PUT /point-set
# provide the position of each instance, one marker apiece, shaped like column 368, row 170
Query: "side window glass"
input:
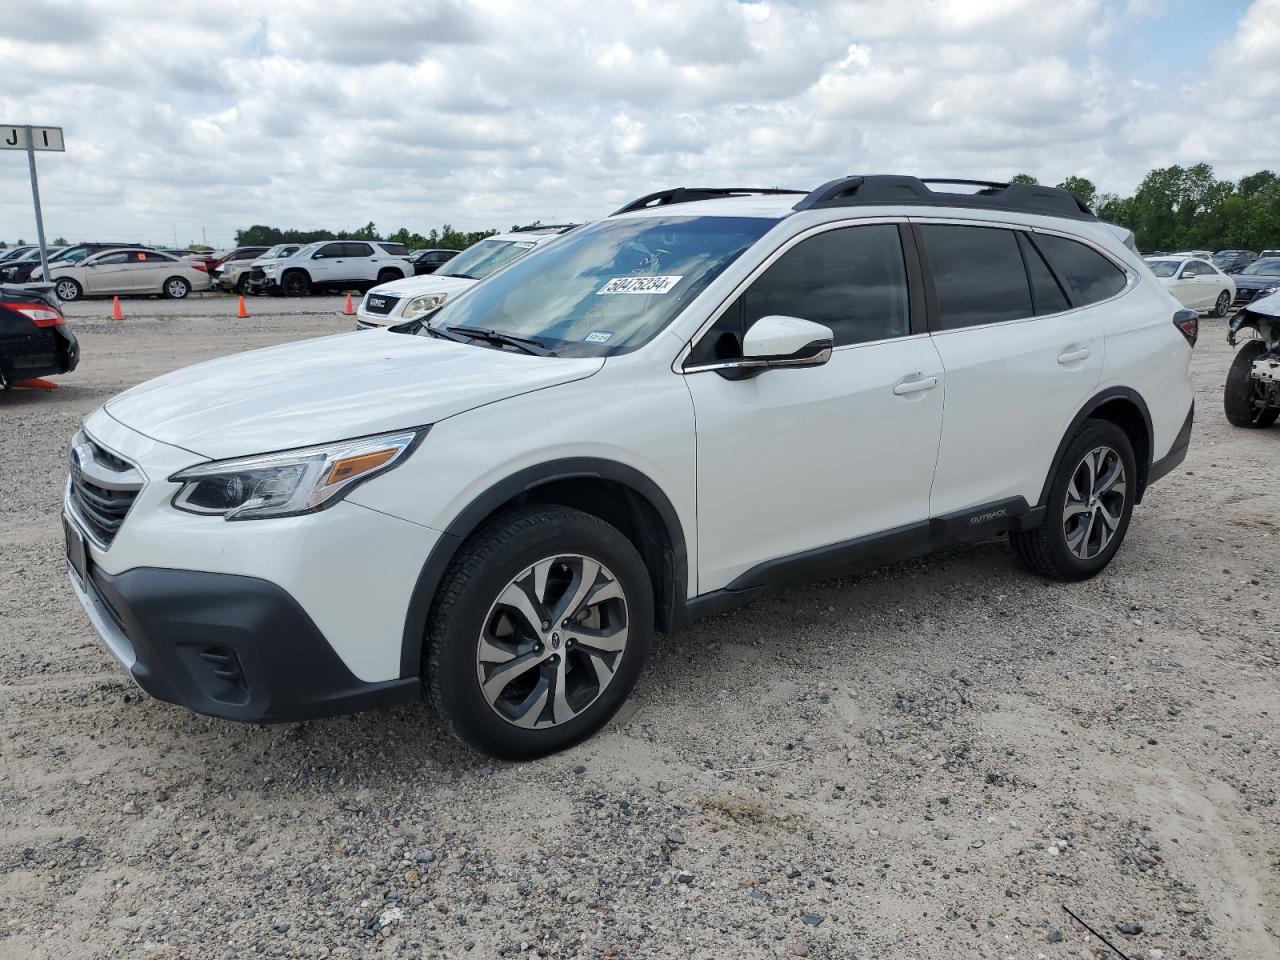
column 1089, row 276
column 978, row 275
column 358, row 250
column 112, row 258
column 851, row 279
column 331, row 251
column 1046, row 295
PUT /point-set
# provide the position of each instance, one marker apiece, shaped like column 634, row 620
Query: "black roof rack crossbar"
column 689, row 194
column 913, row 191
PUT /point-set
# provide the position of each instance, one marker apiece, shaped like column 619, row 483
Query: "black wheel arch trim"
column 1087, row 411
column 674, row 565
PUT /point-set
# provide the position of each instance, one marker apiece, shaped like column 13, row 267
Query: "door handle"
column 1071, row 356
column 917, row 385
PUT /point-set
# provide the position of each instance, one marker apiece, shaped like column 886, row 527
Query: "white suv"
column 402, row 300
column 336, row 265
column 667, row 413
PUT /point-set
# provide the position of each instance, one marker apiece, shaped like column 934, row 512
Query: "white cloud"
column 332, row 113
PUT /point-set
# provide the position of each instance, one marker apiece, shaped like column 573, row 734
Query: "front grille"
column 1245, row 295
column 103, row 487
column 380, row 303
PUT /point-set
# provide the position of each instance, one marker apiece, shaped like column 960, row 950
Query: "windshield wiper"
column 464, row 276
column 509, row 339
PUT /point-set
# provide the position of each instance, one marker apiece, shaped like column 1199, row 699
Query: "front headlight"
column 1270, row 289
column 425, row 304
column 291, row 482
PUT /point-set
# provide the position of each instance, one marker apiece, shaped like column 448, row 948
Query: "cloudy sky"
column 332, row 113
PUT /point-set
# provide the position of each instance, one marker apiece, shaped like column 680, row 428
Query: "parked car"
column 234, row 274
column 1196, row 283
column 1233, row 261
column 1197, row 254
column 1251, row 397
column 130, row 271
column 229, row 272
column 1259, row 279
column 400, row 300
column 429, row 261
column 77, row 252
column 12, row 253
column 1269, row 254
column 707, row 395
column 35, row 340
column 336, row 265
column 18, row 269
column 253, row 279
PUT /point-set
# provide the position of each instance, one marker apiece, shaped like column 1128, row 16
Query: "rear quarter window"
column 1088, row 275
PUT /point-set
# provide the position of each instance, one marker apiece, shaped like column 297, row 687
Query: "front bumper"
column 227, row 646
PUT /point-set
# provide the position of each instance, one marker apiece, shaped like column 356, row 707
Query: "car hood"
column 427, row 283
column 333, row 388
column 1255, row 282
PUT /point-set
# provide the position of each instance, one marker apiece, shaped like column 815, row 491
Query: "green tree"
column 1082, row 188
column 1023, row 178
column 60, row 242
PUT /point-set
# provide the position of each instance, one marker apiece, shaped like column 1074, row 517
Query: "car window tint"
column 332, row 250
column 978, row 275
column 1089, row 275
column 358, row 250
column 1046, row 294
column 108, row 258
column 851, row 279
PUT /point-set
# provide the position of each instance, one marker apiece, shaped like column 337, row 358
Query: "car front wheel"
column 1244, row 400
column 539, row 633
column 68, row 290
column 1223, row 305
column 1090, row 504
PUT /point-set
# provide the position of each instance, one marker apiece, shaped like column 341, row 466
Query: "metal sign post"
column 31, row 139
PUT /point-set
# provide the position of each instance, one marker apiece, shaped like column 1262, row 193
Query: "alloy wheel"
column 177, row 289
column 1224, row 304
column 552, row 641
column 66, row 290
column 1095, row 502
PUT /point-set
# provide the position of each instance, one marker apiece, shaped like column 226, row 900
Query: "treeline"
column 1188, row 208
column 445, row 238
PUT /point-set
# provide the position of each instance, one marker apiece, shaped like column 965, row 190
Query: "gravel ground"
column 928, row 762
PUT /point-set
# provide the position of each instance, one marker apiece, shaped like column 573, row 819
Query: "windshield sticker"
column 640, row 285
column 598, row 336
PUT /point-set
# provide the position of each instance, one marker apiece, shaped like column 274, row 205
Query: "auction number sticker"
column 640, row 285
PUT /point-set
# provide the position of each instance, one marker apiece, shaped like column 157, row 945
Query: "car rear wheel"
column 1223, row 305
column 387, row 274
column 296, row 284
column 176, row 288
column 68, row 290
column 1244, row 400
column 542, row 626
column 1090, row 504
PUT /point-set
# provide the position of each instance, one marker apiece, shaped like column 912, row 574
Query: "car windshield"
column 607, row 288
column 1262, row 268
column 483, row 258
column 75, row 256
column 1164, row 268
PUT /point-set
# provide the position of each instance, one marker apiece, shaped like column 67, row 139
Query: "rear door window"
column 1089, row 276
column 358, row 250
column 1046, row 294
column 978, row 275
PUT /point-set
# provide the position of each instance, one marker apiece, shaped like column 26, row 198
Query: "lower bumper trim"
column 227, row 646
column 1177, row 453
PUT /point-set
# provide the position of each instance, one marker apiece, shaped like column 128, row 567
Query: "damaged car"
column 1252, row 394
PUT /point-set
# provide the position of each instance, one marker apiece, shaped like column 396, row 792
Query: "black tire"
column 388, row 274
column 1223, row 305
column 512, row 542
column 1241, row 390
column 176, row 288
column 1045, row 550
column 296, row 283
column 242, row 284
column 67, row 290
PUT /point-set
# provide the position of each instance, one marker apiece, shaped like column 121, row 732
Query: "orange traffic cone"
column 349, row 308
column 241, row 310
column 39, row 383
column 116, row 312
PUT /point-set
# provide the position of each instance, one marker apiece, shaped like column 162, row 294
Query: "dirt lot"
column 929, row 762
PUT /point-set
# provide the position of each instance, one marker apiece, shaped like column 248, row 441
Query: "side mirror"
column 776, row 341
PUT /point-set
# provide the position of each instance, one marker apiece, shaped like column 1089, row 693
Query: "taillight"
column 200, row 266
column 1188, row 323
column 38, row 314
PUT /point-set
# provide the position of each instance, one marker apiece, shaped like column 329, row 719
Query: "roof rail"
column 545, row 226
column 690, row 194
column 914, row 191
